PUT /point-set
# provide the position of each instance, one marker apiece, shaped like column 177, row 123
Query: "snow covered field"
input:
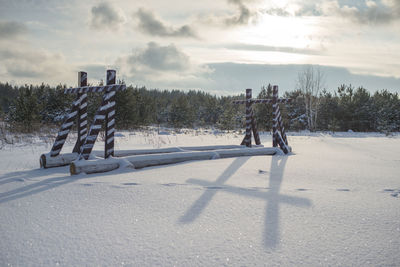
column 334, row 201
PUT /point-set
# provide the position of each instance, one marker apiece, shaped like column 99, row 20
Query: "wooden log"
column 94, row 166
column 46, row 161
column 141, row 161
column 262, row 151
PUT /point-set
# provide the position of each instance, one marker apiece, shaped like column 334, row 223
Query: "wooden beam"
column 141, row 161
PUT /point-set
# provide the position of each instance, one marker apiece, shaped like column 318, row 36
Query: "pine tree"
column 263, row 112
column 181, row 115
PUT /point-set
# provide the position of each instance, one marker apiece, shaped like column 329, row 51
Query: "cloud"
column 243, row 18
column 277, row 11
column 234, row 78
column 244, row 15
column 162, row 58
column 149, row 24
column 26, row 62
column 376, row 12
column 12, row 29
column 162, row 66
column 284, row 49
column 372, row 13
column 104, row 16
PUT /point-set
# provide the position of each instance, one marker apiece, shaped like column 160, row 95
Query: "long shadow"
column 198, row 207
column 20, row 176
column 272, row 227
column 37, row 187
column 272, row 197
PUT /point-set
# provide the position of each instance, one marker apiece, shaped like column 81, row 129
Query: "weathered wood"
column 46, row 161
column 277, row 120
column 247, row 140
column 95, row 89
column 105, row 165
column 274, row 115
column 110, row 117
column 141, row 161
column 82, row 113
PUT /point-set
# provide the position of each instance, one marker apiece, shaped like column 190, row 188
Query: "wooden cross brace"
column 105, row 113
column 278, row 137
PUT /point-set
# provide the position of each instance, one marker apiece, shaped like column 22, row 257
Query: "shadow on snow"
column 272, row 197
column 36, row 187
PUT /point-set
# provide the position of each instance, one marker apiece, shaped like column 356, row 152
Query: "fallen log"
column 141, row 161
column 46, row 161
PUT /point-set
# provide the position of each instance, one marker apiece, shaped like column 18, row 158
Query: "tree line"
column 30, row 107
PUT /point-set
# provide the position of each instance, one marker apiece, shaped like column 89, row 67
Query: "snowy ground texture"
column 334, row 202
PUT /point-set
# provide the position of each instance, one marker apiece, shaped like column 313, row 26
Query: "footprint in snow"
column 343, row 190
column 394, row 192
column 172, row 184
column 213, row 187
column 131, row 184
column 302, row 189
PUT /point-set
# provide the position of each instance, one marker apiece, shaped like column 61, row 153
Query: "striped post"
column 263, row 101
column 285, row 148
column 254, row 128
column 280, row 124
column 95, row 89
column 65, row 128
column 274, row 115
column 95, row 128
column 110, row 116
column 278, row 130
column 82, row 113
column 247, row 140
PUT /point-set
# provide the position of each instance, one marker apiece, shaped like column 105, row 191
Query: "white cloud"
column 165, row 66
column 12, row 29
column 243, row 14
column 25, row 62
column 105, row 16
column 20, row 60
column 149, row 24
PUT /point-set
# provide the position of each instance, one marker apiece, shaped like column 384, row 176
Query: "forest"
column 29, row 108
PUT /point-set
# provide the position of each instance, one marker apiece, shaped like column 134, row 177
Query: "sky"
column 219, row 46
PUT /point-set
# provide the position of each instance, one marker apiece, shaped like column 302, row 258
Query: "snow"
column 334, row 201
column 136, row 161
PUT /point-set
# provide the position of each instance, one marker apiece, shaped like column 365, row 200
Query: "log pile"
column 141, row 161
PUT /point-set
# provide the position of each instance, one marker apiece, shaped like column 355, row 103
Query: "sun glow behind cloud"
column 94, row 35
column 279, row 40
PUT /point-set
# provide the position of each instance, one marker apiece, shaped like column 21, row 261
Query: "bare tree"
column 310, row 81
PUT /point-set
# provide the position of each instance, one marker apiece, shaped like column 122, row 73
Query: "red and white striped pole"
column 106, row 109
column 82, row 113
column 281, row 127
column 254, row 128
column 66, row 126
column 274, row 115
column 110, row 117
column 247, row 140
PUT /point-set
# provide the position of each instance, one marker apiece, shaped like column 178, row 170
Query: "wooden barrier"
column 141, row 161
column 78, row 112
column 79, row 160
column 67, row 158
column 278, row 137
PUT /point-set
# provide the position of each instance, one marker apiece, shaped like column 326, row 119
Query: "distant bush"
column 32, row 108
